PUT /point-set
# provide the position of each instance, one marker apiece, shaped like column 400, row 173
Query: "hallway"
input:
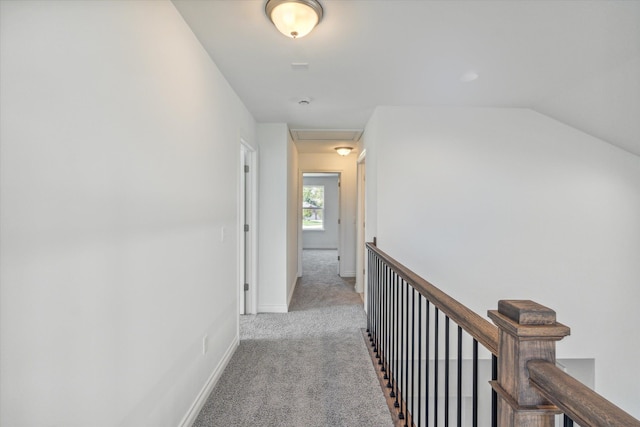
column 308, row 367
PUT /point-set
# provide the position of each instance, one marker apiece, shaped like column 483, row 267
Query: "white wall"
column 493, row 204
column 278, row 218
column 326, row 238
column 346, row 165
column 272, row 217
column 119, row 141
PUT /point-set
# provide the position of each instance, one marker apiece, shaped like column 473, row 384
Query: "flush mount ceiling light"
column 294, row 18
column 343, row 151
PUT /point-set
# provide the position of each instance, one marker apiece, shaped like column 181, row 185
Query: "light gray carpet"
column 309, row 367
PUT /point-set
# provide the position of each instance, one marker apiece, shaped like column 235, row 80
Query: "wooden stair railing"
column 398, row 324
column 578, row 401
column 477, row 326
column 527, row 388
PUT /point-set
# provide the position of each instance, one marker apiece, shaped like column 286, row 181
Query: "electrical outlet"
column 204, row 344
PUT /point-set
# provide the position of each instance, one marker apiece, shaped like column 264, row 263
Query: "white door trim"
column 248, row 157
column 361, row 274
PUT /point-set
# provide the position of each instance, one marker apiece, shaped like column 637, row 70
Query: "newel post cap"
column 528, row 319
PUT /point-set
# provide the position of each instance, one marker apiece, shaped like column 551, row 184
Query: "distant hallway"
column 320, row 284
column 309, row 367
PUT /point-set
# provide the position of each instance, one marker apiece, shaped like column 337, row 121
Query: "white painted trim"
column 361, row 258
column 293, row 288
column 250, row 155
column 253, row 290
column 242, row 258
column 201, row 399
column 299, row 231
column 273, row 308
column 362, row 155
column 348, row 274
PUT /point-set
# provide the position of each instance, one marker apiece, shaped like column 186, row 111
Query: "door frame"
column 338, row 172
column 247, row 214
column 361, row 272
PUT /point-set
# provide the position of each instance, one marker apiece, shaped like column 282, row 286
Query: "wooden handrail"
column 583, row 405
column 528, row 383
column 478, row 327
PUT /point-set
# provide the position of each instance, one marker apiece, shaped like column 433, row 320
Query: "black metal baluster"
column 389, row 326
column 369, row 255
column 378, row 308
column 494, row 395
column 419, row 360
column 406, row 359
column 387, row 332
column 392, row 330
column 446, row 371
column 381, row 268
column 372, row 297
column 402, row 340
column 396, row 404
column 378, row 273
column 413, row 349
column 385, row 321
column 376, row 340
column 427, row 368
column 387, row 309
column 436, row 344
column 459, row 403
column 475, row 383
column 387, row 352
column 383, row 274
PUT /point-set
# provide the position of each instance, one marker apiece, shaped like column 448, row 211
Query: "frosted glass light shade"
column 343, row 151
column 294, row 18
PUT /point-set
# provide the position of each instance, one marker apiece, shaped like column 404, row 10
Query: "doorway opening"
column 320, row 219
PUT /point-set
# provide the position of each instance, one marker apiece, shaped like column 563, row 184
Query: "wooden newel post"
column 528, row 331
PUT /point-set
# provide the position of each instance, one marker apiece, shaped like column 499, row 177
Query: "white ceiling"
column 576, row 61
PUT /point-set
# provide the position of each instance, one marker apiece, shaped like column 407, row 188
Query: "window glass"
column 313, row 207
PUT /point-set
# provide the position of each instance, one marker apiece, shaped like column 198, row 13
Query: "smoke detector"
column 469, row 76
column 304, row 101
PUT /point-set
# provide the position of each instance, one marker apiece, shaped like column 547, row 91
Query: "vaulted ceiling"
column 575, row 61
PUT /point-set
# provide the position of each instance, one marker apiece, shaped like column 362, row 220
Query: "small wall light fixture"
column 343, row 151
column 294, row 18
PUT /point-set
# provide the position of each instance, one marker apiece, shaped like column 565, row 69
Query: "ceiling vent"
column 326, row 135
column 324, row 140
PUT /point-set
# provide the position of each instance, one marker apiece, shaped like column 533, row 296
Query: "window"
column 313, row 207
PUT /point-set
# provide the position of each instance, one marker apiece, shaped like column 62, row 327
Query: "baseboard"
column 273, row 308
column 197, row 405
column 293, row 288
column 348, row 274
